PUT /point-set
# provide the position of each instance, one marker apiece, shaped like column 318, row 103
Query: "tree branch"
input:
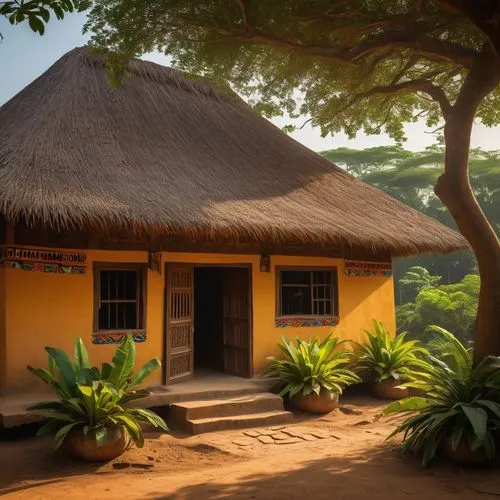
column 484, row 15
column 423, row 45
column 437, row 94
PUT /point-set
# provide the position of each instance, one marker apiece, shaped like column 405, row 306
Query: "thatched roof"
column 169, row 155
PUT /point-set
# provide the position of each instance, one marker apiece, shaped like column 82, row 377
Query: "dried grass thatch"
column 169, row 155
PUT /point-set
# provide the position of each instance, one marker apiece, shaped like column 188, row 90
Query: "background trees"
column 410, row 176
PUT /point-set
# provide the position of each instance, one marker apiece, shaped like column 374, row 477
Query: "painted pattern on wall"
column 300, row 322
column 118, row 337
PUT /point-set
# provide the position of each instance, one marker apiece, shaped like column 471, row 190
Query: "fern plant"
column 461, row 404
column 91, row 400
column 384, row 357
column 309, row 367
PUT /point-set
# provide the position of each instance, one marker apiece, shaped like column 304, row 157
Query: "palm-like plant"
column 93, row 400
column 309, row 367
column 462, row 404
column 384, row 357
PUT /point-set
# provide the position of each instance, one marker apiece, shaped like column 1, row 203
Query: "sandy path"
column 349, row 460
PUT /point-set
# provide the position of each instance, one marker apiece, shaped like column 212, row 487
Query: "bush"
column 452, row 307
column 91, row 400
column 385, row 357
column 462, row 402
column 310, row 367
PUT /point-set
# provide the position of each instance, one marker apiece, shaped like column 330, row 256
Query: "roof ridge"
column 162, row 74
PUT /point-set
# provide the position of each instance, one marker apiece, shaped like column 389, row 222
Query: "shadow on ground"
column 381, row 474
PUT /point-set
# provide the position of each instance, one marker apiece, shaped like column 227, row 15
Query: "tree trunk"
column 454, row 190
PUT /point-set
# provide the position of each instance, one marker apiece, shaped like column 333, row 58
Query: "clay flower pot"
column 463, row 454
column 312, row 403
column 85, row 447
column 388, row 389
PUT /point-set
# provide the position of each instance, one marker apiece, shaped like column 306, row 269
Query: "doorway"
column 208, row 320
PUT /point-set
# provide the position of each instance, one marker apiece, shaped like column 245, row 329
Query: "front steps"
column 252, row 410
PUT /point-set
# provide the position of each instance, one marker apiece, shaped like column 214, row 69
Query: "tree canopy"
column 370, row 65
column 452, row 307
column 410, row 176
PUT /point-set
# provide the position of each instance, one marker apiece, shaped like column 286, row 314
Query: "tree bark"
column 454, row 190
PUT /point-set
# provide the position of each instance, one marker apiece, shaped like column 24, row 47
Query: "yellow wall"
column 52, row 309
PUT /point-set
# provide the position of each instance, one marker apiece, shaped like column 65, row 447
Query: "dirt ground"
column 343, row 455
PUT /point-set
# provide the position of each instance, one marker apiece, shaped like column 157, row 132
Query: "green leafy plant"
column 461, row 403
column 309, row 367
column 93, row 400
column 385, row 357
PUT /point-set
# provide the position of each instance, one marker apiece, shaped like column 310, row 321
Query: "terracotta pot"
column 388, row 389
column 312, row 403
column 463, row 454
column 85, row 447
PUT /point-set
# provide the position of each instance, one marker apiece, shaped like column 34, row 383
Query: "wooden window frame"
column 142, row 269
column 334, row 292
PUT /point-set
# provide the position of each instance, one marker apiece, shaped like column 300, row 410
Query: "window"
column 307, row 292
column 119, row 296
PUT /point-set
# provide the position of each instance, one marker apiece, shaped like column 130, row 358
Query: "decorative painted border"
column 367, row 269
column 42, row 267
column 297, row 322
column 367, row 274
column 117, row 337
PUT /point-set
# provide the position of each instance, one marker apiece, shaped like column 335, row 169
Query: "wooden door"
column 179, row 322
column 236, row 321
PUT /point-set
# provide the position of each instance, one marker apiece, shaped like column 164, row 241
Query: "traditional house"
column 168, row 210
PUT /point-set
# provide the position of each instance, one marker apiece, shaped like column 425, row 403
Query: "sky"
column 25, row 55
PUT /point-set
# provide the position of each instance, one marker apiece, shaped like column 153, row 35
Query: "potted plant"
column 386, row 362
column 91, row 417
column 460, row 413
column 312, row 374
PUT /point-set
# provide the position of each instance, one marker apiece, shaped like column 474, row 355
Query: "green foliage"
column 311, row 366
column 384, row 357
column 410, row 176
column 417, row 278
column 461, row 402
column 453, row 307
column 91, row 400
column 38, row 12
column 350, row 62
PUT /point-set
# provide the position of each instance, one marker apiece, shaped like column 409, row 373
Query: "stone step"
column 226, row 407
column 262, row 419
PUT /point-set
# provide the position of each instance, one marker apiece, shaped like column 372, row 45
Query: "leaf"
column 45, row 14
column 149, row 416
column 81, row 357
column 123, row 362
column 430, row 449
column 478, row 419
column 64, row 365
column 414, row 403
column 36, row 24
column 145, row 371
column 106, row 371
column 63, row 432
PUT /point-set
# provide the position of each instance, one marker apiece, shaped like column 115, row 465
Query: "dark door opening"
column 208, row 322
column 222, row 327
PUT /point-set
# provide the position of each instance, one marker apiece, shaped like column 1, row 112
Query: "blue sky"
column 25, row 55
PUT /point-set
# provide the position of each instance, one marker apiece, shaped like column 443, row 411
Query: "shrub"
column 93, row 400
column 309, row 367
column 462, row 402
column 384, row 357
